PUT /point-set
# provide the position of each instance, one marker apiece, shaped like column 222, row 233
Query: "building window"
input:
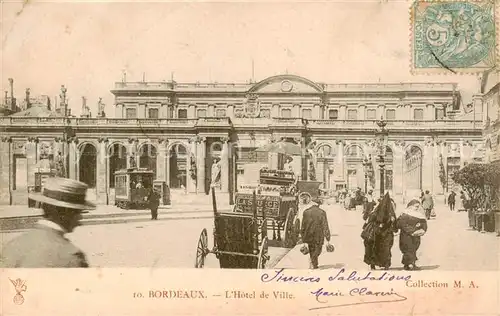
column 390, row 114
column 333, row 114
column 265, row 113
column 307, row 113
column 371, row 114
column 220, row 112
column 182, row 114
column 153, row 113
column 439, row 114
column 287, row 113
column 201, row 113
column 131, row 113
column 418, row 114
column 352, row 114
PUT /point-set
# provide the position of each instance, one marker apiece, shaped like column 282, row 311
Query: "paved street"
column 448, row 245
column 171, row 242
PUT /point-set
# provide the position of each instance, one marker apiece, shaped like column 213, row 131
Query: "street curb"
column 112, row 215
column 18, row 224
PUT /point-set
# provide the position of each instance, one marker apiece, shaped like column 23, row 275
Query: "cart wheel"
column 201, row 249
column 263, row 254
column 290, row 239
column 304, row 198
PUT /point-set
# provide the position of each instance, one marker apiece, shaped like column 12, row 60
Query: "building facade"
column 177, row 129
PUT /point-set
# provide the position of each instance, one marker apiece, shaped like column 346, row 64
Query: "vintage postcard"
column 250, row 158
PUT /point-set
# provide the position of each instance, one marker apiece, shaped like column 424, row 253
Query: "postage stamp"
column 453, row 36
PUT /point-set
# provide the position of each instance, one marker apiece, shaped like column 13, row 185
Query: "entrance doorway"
column 177, row 166
column 147, row 158
column 87, row 165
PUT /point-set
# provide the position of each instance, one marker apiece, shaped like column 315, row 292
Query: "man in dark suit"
column 63, row 202
column 154, row 202
column 315, row 230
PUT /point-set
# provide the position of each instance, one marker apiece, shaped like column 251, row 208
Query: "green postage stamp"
column 453, row 36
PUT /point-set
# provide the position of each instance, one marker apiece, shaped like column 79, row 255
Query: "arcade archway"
column 147, row 158
column 413, row 168
column 87, row 165
column 177, row 166
column 117, row 161
column 354, row 156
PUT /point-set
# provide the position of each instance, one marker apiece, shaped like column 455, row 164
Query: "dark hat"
column 317, row 200
column 63, row 192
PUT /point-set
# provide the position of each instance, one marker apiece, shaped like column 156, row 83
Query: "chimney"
column 28, row 105
column 12, row 100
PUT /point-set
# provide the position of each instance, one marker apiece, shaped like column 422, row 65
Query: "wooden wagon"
column 240, row 241
column 277, row 205
column 132, row 187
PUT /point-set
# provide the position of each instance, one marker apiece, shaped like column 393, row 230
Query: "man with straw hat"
column 63, row 202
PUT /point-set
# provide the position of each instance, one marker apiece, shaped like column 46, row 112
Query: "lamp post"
column 382, row 136
column 366, row 165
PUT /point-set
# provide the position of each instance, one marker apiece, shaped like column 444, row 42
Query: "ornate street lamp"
column 366, row 166
column 382, row 135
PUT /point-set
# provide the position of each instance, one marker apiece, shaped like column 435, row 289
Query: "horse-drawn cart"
column 277, row 204
column 240, row 241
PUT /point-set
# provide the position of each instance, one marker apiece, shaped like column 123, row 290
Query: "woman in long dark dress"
column 378, row 233
column 413, row 225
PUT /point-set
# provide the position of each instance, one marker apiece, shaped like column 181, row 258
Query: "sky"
column 88, row 46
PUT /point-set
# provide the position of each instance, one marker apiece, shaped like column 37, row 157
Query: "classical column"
column 438, row 154
column 191, row 168
column 31, row 155
column 132, row 153
column 321, row 169
column 200, row 156
column 225, row 164
column 428, row 166
column 101, row 171
column 343, row 111
column 162, row 161
column 272, row 157
column 73, row 158
column 339, row 169
column 398, row 167
column 477, row 101
column 300, row 165
column 5, row 171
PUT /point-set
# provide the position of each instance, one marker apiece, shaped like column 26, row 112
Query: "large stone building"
column 176, row 129
column 491, row 118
